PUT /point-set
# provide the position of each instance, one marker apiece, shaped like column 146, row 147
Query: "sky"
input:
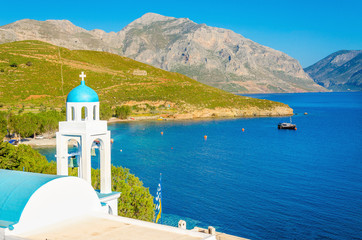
column 305, row 30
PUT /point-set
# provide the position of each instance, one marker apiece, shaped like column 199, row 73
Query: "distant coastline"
column 49, row 138
column 215, row 113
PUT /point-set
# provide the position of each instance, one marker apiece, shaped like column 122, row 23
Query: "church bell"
column 73, row 162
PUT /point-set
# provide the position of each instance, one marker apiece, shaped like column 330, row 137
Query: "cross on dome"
column 82, row 76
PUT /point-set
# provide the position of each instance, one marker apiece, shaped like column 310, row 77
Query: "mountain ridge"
column 214, row 56
column 339, row 71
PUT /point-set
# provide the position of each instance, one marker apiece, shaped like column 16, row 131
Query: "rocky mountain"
column 339, row 71
column 214, row 56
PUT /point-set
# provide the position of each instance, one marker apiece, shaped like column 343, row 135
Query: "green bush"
column 3, row 125
column 14, row 65
column 105, row 111
column 30, row 124
column 23, row 157
column 123, row 112
column 136, row 200
column 21, row 110
column 25, row 125
column 135, row 108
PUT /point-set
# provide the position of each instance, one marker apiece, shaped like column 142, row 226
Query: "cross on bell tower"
column 82, row 76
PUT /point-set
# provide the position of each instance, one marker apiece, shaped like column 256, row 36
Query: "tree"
column 136, row 200
column 21, row 110
column 3, row 125
column 105, row 111
column 25, row 125
column 23, row 157
column 123, row 112
column 30, row 124
column 48, row 121
column 43, row 108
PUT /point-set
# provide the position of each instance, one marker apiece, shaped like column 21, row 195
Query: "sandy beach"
column 35, row 142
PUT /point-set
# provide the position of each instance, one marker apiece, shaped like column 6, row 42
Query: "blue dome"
column 82, row 93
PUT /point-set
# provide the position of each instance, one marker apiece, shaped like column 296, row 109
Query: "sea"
column 260, row 183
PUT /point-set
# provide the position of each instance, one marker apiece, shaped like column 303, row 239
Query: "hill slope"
column 34, row 73
column 339, row 71
column 215, row 56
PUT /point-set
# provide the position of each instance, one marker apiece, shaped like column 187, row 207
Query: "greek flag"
column 158, row 208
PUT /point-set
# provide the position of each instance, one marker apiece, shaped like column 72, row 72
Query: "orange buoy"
column 243, row 129
column 295, row 128
column 161, row 133
column 171, row 147
column 112, row 140
column 205, row 137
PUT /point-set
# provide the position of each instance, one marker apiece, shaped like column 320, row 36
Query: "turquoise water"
column 262, row 183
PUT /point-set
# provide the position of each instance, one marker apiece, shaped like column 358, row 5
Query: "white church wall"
column 113, row 205
column 56, row 201
column 83, row 127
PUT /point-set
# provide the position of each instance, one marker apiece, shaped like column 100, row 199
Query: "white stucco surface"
column 57, row 201
column 99, row 227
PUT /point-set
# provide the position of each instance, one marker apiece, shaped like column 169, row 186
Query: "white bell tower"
column 83, row 125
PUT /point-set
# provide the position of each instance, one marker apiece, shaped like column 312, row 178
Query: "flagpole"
column 161, row 198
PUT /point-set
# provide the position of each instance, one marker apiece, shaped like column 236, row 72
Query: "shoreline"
column 50, row 140
column 217, row 113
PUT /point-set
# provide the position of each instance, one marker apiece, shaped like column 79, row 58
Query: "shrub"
column 42, row 108
column 105, row 111
column 29, row 64
column 2, row 70
column 123, row 112
column 3, row 125
column 21, row 110
column 136, row 200
column 135, row 108
column 24, row 157
column 14, row 65
column 30, row 124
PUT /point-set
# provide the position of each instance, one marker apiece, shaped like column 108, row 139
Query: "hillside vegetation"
column 34, row 73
